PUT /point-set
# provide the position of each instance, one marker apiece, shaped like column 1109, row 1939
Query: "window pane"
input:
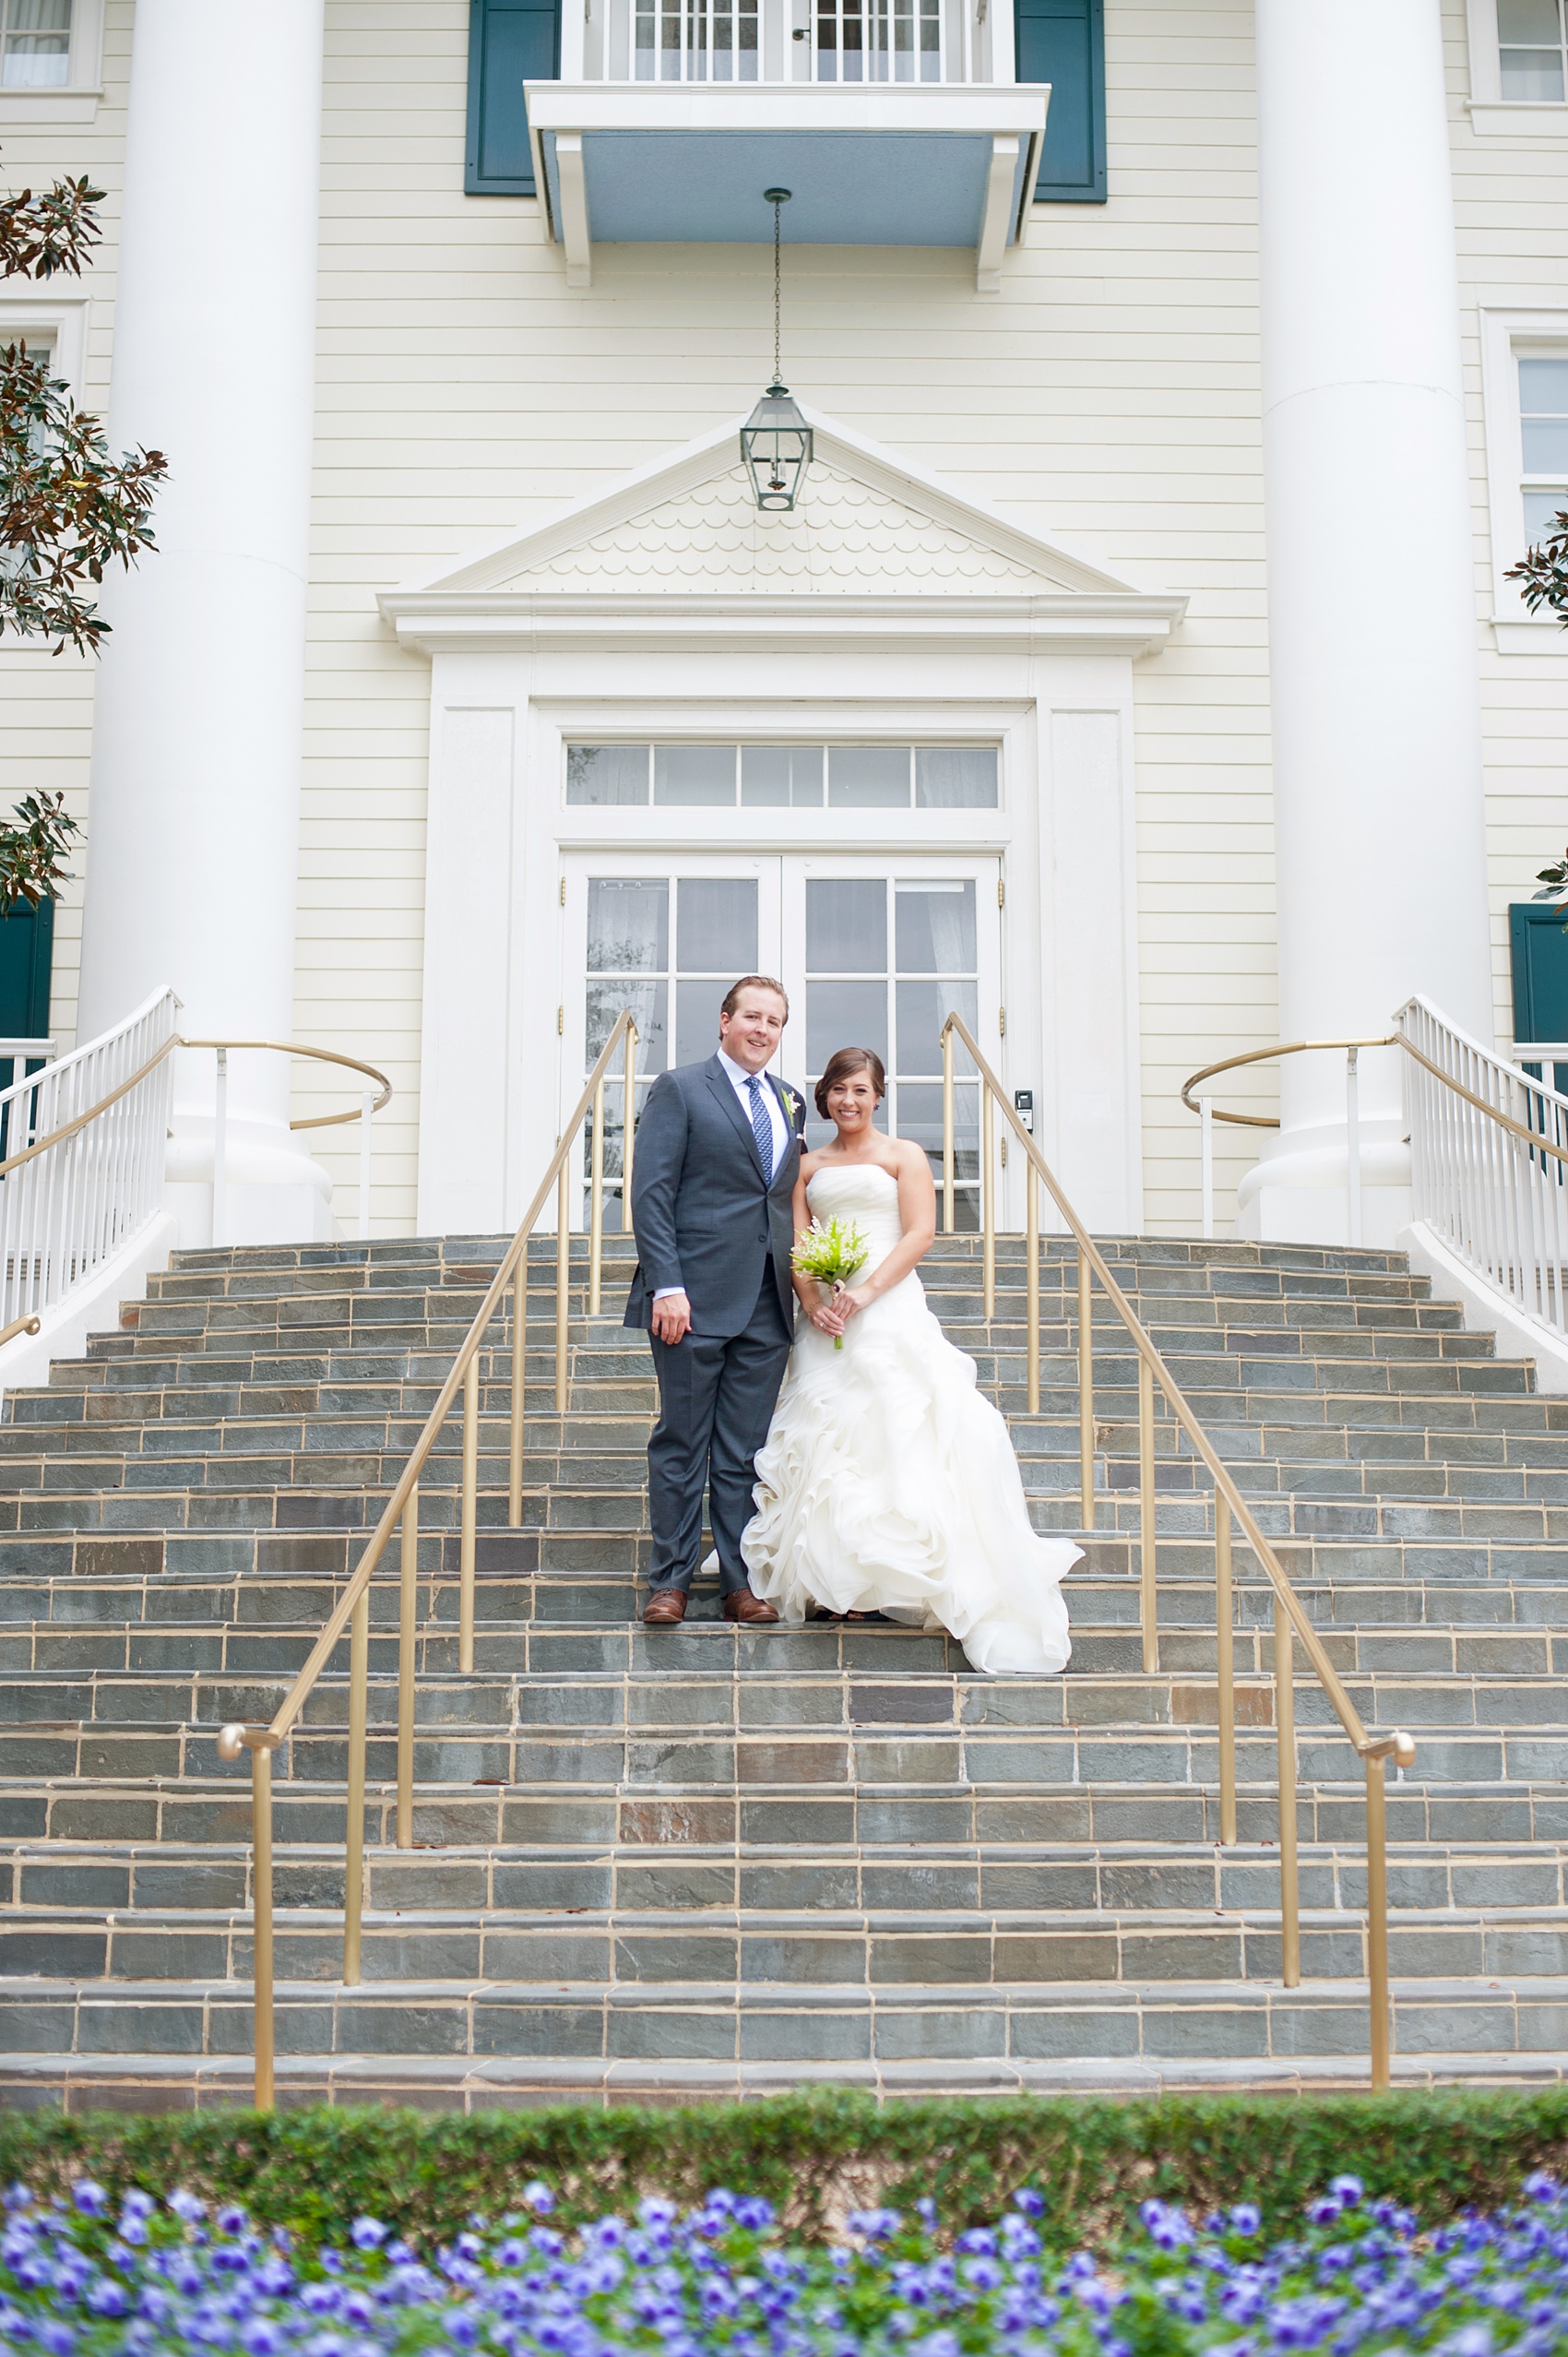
column 694, row 775
column 628, row 926
column 607, row 773
column 867, row 777
column 38, row 44
column 696, row 1017
column 648, row 1001
column 845, row 1014
column 1532, row 73
column 1527, row 20
column 1543, row 387
column 846, row 926
column 1541, row 514
column 1546, row 446
column 716, row 928
column 781, row 777
column 922, row 1009
column 935, row 928
column 954, row 777
column 920, row 1117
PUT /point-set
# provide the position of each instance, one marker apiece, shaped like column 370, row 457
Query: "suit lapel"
column 718, row 1081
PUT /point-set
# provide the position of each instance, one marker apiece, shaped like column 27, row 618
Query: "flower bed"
column 816, row 2156
column 84, row 2277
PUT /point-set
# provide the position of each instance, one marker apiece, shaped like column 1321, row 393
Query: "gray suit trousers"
column 716, row 1401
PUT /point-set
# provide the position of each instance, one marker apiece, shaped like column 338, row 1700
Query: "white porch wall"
column 1110, row 393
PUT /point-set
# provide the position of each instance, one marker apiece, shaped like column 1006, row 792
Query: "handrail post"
column 948, row 1131
column 1353, row 1144
column 1031, row 1279
column 471, row 1515
column 1149, row 1590
column 353, row 1838
column 563, row 1281
column 519, row 1393
column 1086, row 1390
column 988, row 1193
column 407, row 1600
column 1377, row 1916
column 220, row 1150
column 261, row 1918
column 596, row 1196
column 628, row 1127
column 367, row 1110
column 1205, row 1131
column 1285, row 1728
column 1225, row 1650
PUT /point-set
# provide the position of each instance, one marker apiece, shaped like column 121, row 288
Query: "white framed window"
column 1518, row 67
column 47, row 321
column 784, row 777
column 35, row 46
column 49, row 54
column 1524, row 390
column 1530, row 55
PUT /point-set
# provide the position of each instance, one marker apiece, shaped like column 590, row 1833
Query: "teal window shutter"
column 27, row 946
column 1062, row 42
column 510, row 42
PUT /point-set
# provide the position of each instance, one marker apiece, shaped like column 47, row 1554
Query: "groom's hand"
column 672, row 1318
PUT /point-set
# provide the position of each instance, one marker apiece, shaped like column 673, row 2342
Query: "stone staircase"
column 715, row 1860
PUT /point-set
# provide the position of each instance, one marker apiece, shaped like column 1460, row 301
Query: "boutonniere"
column 791, row 1103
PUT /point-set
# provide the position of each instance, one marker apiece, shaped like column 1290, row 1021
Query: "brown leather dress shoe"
column 743, row 1606
column 665, row 1607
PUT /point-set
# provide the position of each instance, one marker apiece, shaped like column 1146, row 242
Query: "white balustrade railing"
column 1488, row 1148
column 82, row 1169
column 764, row 42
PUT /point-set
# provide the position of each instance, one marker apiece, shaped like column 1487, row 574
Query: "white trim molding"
column 77, row 100
column 1493, row 116
column 1505, row 333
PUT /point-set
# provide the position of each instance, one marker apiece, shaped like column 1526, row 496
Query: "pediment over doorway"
column 875, row 541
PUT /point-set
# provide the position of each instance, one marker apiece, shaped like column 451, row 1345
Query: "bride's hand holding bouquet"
column 831, row 1251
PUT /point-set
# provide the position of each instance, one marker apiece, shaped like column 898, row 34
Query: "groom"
column 718, row 1154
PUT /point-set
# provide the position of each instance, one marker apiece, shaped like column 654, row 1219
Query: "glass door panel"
column 882, row 953
column 665, row 938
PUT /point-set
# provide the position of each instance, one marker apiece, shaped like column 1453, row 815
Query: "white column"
column 192, row 819
column 1377, row 775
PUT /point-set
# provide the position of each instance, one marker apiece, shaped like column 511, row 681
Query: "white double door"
column 874, row 950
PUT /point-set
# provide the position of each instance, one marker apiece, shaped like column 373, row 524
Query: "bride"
column 887, row 1484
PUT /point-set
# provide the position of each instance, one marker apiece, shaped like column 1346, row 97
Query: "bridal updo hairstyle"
column 840, row 1066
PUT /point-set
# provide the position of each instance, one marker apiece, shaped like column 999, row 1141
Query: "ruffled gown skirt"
column 889, row 1484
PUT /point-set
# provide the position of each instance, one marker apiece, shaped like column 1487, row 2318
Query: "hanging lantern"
column 776, row 440
column 776, row 443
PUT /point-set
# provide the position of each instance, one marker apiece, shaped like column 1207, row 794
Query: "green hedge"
column 818, row 2155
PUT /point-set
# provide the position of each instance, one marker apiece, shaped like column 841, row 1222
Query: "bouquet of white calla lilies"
column 832, row 1251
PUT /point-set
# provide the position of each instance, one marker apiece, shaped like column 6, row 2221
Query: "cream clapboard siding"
column 1110, row 394
column 1511, row 201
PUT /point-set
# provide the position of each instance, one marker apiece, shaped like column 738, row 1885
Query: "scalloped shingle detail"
column 843, row 536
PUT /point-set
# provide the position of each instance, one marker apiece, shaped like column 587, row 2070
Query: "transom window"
column 1543, row 433
column 36, row 53
column 784, row 777
column 1531, row 49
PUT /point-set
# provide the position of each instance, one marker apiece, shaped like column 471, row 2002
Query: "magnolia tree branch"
column 31, row 851
column 66, row 509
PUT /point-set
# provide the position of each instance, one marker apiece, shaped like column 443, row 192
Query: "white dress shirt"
column 740, row 1080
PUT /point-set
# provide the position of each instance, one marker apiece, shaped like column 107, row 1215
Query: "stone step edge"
column 465, row 2084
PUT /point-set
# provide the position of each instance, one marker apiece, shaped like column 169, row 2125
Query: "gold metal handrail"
column 352, row 1609
column 1290, row 1620
column 319, row 1055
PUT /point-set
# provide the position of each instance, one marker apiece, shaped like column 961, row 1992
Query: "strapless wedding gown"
column 889, row 1484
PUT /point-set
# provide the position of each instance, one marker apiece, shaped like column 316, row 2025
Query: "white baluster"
column 221, row 1150
column 367, row 1107
column 1353, row 1144
column 1206, row 1118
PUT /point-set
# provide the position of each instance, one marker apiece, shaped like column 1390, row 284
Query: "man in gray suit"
column 718, row 1154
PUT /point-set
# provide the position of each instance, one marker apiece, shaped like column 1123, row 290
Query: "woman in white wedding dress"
column 887, row 1484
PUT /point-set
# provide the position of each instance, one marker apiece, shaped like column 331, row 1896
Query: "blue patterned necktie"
column 762, row 1128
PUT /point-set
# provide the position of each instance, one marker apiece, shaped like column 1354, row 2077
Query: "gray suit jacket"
column 703, row 1216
